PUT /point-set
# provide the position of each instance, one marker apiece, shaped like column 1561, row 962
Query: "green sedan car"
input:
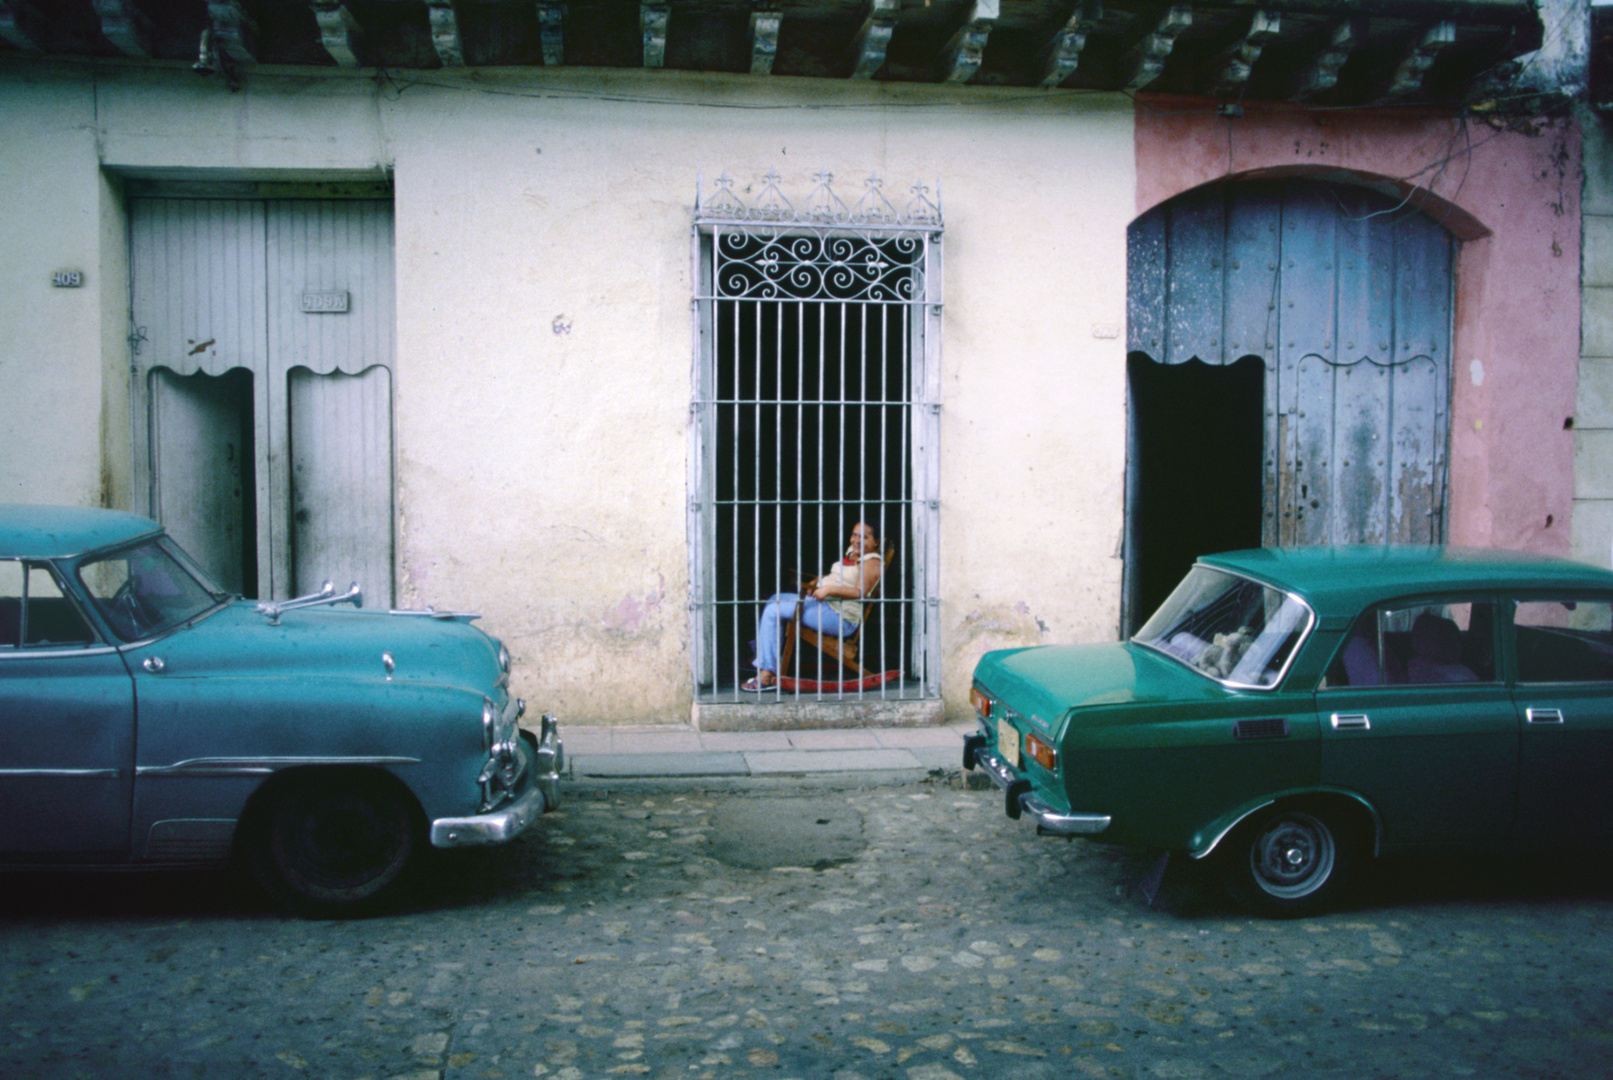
column 149, row 719
column 1288, row 714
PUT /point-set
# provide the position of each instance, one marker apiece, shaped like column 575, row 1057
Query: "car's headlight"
column 501, row 728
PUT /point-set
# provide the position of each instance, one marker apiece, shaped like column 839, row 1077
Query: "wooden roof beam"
column 1146, row 60
column 339, row 32
column 1064, row 51
column 653, row 16
column 868, row 50
column 235, row 33
column 1322, row 74
column 552, row 34
column 445, row 33
column 967, row 47
column 1408, row 78
column 125, row 26
column 22, row 25
column 1231, row 70
column 764, row 27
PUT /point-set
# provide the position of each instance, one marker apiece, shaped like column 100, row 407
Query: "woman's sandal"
column 756, row 686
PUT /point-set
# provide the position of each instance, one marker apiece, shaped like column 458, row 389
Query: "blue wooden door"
column 1345, row 295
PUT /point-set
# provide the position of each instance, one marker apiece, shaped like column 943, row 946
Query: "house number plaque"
column 324, row 302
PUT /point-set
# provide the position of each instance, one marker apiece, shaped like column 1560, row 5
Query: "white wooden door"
column 298, row 295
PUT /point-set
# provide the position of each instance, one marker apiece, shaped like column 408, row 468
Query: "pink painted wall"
column 1512, row 198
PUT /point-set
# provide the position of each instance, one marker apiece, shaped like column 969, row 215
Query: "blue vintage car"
column 147, row 718
column 1287, row 714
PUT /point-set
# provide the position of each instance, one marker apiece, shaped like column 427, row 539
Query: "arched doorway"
column 1345, row 297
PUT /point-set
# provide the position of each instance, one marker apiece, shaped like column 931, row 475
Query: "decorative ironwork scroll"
column 816, row 267
column 822, row 208
column 869, row 251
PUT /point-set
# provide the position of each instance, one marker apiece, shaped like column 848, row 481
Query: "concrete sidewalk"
column 611, row 756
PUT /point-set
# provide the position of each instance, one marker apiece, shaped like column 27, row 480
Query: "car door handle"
column 1351, row 722
column 153, row 664
column 1544, row 716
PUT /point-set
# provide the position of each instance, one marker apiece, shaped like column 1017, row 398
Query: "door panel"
column 341, row 482
column 1439, row 762
column 67, row 738
column 1417, row 721
column 1565, row 711
column 66, row 726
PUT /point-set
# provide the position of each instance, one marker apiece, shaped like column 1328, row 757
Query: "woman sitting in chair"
column 830, row 604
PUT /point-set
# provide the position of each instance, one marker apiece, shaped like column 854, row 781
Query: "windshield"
column 146, row 589
column 1236, row 631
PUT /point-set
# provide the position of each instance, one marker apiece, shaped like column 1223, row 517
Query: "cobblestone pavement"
column 909, row 932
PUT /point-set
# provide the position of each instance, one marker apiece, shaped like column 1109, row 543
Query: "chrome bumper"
column 1020, row 799
column 546, row 757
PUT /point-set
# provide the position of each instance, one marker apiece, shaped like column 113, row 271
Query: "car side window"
column 1564, row 641
column 1418, row 644
column 34, row 612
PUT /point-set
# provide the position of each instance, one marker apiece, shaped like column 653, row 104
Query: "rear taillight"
column 1041, row 751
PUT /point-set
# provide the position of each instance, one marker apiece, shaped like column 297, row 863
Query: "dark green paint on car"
column 1290, row 713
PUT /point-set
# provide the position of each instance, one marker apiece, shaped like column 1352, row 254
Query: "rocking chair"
column 843, row 650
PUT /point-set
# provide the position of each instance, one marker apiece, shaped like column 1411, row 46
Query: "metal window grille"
column 816, row 407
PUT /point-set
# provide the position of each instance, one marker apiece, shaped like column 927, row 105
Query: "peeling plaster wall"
column 545, row 334
column 1512, row 198
column 1593, row 415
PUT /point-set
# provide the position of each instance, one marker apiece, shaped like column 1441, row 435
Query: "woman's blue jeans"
column 815, row 613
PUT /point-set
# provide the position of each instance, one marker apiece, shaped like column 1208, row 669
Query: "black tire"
column 1288, row 862
column 335, row 844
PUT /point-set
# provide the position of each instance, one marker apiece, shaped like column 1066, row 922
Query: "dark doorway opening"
column 1195, row 474
column 204, row 463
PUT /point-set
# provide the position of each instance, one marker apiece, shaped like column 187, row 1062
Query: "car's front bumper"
column 544, row 758
column 1020, row 797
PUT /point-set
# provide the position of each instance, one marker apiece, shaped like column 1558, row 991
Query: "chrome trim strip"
column 432, row 613
column 35, row 652
column 1225, row 831
column 110, row 774
column 1199, row 853
column 258, row 766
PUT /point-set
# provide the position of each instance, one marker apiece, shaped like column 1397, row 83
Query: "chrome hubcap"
column 1293, row 857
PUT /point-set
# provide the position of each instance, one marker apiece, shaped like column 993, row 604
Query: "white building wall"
column 544, row 338
column 53, row 369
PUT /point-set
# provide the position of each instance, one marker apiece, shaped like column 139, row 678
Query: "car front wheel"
column 1288, row 862
column 335, row 844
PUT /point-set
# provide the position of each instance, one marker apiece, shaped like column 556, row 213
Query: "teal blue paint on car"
column 1287, row 714
column 149, row 719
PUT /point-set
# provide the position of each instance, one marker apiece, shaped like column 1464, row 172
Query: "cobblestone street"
column 907, row 931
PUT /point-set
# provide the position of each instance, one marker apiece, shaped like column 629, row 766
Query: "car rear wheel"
column 1288, row 862
column 335, row 844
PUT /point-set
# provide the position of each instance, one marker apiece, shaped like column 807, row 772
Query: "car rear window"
column 1234, row 629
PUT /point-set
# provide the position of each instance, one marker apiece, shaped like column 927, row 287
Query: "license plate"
column 1008, row 743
